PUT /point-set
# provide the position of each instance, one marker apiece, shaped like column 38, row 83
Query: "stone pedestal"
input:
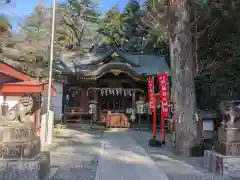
column 228, row 142
column 25, row 169
column 225, row 159
column 20, row 154
column 226, row 166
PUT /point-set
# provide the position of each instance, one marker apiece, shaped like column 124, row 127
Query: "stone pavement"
column 75, row 154
column 175, row 167
column 123, row 159
column 124, row 156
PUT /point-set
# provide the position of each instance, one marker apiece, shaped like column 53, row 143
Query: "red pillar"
column 162, row 125
column 154, row 116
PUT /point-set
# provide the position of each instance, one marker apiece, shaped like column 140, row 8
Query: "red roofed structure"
column 12, row 80
column 14, row 84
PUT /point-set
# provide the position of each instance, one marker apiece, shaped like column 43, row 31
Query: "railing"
column 74, row 114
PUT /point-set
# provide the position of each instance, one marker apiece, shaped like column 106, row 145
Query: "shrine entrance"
column 114, row 95
column 114, row 91
column 114, row 103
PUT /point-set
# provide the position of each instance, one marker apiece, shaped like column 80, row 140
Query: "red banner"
column 163, row 88
column 151, row 92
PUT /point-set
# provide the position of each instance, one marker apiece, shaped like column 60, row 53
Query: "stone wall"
column 226, row 166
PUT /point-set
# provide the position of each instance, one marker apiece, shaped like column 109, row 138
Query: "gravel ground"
column 75, row 153
column 175, row 167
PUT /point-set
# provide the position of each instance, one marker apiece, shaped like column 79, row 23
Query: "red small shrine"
column 15, row 84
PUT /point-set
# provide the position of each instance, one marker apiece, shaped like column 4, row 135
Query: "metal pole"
column 50, row 67
column 139, row 121
column 92, row 121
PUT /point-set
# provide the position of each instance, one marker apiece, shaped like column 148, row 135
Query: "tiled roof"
column 87, row 63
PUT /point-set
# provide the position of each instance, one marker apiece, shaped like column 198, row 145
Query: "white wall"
column 56, row 101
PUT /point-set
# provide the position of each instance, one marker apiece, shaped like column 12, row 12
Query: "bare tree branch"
column 205, row 68
column 212, row 25
column 73, row 29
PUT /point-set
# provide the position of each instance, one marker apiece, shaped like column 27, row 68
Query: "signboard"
column 208, row 125
column 92, row 108
column 163, row 88
column 151, row 92
column 140, row 108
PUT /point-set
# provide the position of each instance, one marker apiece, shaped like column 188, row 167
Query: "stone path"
column 75, row 154
column 175, row 167
column 124, row 156
column 123, row 159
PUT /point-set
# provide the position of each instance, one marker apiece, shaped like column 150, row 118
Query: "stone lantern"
column 92, row 109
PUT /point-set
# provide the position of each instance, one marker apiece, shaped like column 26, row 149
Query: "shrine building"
column 113, row 79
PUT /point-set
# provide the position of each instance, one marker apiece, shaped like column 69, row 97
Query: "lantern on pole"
column 140, row 110
column 92, row 109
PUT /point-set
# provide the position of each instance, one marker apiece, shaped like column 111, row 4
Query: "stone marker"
column 20, row 156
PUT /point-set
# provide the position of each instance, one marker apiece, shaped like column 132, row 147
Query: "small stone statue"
column 230, row 113
column 19, row 113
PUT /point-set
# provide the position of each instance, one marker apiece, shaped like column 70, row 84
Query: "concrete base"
column 226, row 166
column 34, row 169
column 155, row 143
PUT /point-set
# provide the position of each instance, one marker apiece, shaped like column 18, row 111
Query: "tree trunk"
column 182, row 65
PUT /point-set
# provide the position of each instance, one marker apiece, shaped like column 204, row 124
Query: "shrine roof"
column 13, row 72
column 31, row 82
column 16, row 81
column 26, row 87
column 88, row 63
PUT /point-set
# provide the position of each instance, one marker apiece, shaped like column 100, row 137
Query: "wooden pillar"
column 133, row 102
column 37, row 112
column 84, row 99
column 114, row 103
column 95, row 97
column 133, row 99
column 38, row 118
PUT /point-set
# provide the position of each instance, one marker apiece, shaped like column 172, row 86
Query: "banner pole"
column 152, row 96
column 154, row 117
column 162, row 125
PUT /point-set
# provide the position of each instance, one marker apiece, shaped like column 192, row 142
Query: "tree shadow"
column 75, row 151
column 175, row 166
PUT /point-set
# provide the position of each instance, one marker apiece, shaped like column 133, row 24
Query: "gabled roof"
column 114, row 52
column 13, row 72
column 86, row 63
column 24, row 83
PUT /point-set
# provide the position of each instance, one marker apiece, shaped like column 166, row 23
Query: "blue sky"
column 19, row 9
